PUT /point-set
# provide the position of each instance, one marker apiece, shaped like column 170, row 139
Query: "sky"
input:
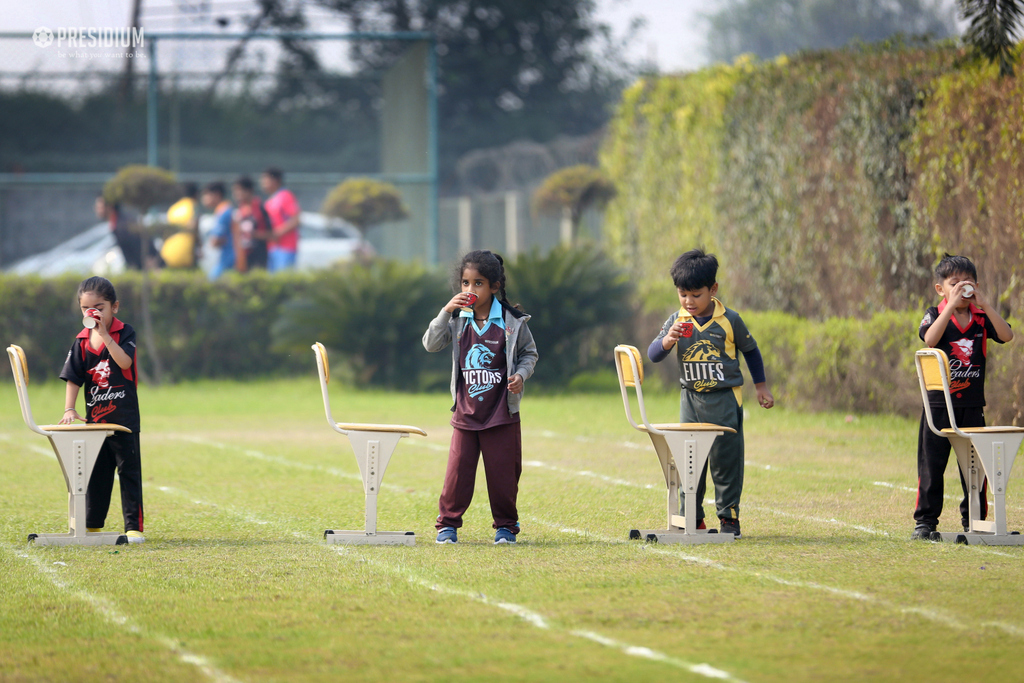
column 673, row 32
column 672, row 35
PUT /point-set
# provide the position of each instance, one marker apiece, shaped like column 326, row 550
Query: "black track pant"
column 119, row 451
column 932, row 456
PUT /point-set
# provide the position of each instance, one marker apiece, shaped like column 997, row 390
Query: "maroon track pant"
column 502, row 449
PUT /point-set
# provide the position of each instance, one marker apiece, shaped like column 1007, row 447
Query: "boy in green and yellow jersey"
column 707, row 336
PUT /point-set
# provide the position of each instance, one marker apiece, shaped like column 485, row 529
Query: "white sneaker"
column 135, row 537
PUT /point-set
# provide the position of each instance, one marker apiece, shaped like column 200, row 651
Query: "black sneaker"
column 730, row 526
column 922, row 532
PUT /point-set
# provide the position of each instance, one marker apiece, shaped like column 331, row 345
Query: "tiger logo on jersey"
column 701, row 351
column 476, row 372
column 702, row 366
column 479, row 357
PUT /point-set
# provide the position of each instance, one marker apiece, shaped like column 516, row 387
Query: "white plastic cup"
column 967, row 291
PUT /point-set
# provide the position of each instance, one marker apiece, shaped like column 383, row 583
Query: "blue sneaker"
column 447, row 534
column 504, row 536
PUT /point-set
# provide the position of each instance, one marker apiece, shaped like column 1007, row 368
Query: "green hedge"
column 859, row 364
column 371, row 317
column 828, row 183
column 856, row 365
column 201, row 329
column 866, row 365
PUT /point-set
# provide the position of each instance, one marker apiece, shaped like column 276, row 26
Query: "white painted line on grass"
column 945, row 496
column 832, row 521
column 277, row 460
column 936, row 616
column 420, row 443
column 586, row 473
column 623, row 482
column 1008, row 628
column 705, row 670
column 529, row 616
column 112, row 615
column 542, row 622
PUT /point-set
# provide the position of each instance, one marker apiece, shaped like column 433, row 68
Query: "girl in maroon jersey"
column 493, row 354
column 102, row 361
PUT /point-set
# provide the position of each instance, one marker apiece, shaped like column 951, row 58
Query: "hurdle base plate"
column 974, row 538
column 363, row 538
column 680, row 536
column 90, row 538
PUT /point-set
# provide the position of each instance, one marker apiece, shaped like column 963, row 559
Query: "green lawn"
column 235, row 582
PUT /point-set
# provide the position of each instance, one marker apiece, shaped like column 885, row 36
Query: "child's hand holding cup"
column 91, row 319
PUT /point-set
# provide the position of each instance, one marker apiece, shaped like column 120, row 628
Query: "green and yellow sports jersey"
column 708, row 358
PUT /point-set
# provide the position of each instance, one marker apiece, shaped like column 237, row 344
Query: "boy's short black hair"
column 245, row 182
column 695, row 269
column 216, row 187
column 275, row 173
column 190, row 190
column 955, row 265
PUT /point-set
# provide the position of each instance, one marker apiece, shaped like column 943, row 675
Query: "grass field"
column 235, row 582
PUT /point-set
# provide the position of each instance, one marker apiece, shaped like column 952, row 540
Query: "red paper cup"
column 91, row 318
column 472, row 300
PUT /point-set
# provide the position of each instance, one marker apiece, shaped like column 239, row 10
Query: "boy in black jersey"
column 961, row 326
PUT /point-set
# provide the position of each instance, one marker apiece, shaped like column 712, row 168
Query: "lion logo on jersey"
column 703, row 350
column 963, row 349
column 101, row 374
column 479, row 357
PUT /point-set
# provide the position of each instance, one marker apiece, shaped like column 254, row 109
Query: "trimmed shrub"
column 365, row 202
column 373, row 316
column 575, row 298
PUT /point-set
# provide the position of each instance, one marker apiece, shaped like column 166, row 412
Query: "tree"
column 768, row 28
column 142, row 188
column 994, row 28
column 508, row 69
column 572, row 191
column 365, row 202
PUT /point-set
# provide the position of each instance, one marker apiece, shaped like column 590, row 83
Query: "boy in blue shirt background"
column 215, row 199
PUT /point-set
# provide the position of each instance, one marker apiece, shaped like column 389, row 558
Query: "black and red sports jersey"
column 966, row 349
column 111, row 393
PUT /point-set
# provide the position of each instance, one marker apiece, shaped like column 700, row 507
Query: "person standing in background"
column 283, row 209
column 215, row 199
column 130, row 243
column 251, row 228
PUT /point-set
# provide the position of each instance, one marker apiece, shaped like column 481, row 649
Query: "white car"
column 323, row 241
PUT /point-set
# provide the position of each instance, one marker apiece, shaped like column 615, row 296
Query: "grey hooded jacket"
column 520, row 349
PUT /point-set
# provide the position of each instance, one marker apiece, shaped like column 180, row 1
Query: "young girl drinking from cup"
column 102, row 359
column 493, row 354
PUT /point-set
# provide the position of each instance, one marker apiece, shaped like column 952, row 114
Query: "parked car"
column 322, row 242
column 91, row 252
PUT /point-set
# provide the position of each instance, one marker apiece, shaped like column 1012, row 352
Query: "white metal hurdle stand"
column 682, row 449
column 76, row 446
column 373, row 445
column 980, row 452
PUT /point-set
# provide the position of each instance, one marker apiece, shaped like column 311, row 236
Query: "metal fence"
column 379, row 123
